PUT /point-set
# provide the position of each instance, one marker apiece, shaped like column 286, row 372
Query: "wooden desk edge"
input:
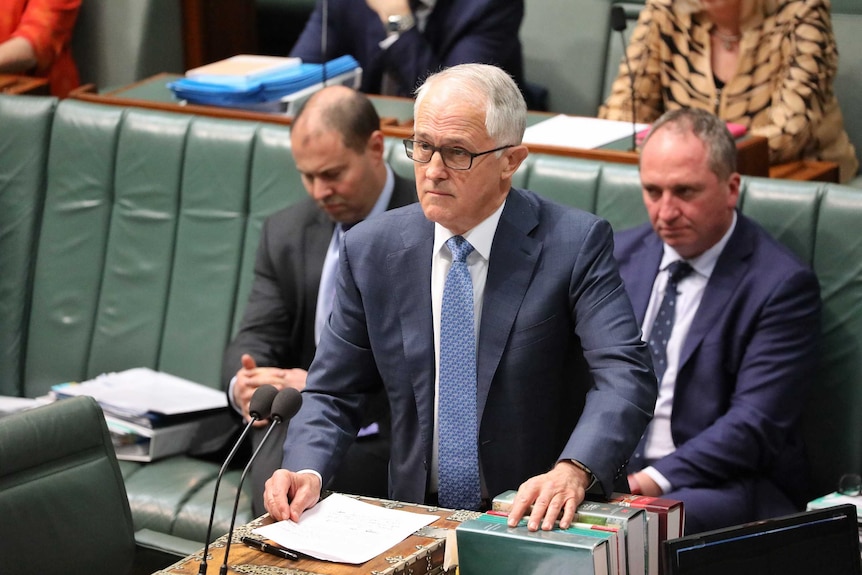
column 410, row 552
column 23, row 85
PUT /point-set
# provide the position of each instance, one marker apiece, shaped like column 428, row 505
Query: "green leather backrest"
column 148, row 238
column 24, row 130
column 62, row 497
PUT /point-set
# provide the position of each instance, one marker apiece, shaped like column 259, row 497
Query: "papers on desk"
column 151, row 414
column 11, row 404
column 345, row 530
column 144, row 395
column 578, row 132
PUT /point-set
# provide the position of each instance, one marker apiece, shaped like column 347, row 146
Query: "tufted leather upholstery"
column 144, row 251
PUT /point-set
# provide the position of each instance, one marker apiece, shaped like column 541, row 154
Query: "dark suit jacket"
column 746, row 364
column 277, row 328
column 458, row 31
column 557, row 332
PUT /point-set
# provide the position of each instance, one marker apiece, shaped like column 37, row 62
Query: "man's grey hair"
column 505, row 108
column 709, row 129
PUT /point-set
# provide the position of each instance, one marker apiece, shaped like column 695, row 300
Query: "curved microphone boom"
column 285, row 405
column 259, row 408
column 618, row 23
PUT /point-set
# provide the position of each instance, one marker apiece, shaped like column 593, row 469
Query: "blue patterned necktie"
column 457, row 420
column 663, row 324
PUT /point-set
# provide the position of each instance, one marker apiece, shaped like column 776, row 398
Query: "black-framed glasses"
column 453, row 158
column 850, row 484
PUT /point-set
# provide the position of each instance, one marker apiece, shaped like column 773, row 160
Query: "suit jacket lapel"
column 409, row 272
column 515, row 254
column 645, row 263
column 729, row 270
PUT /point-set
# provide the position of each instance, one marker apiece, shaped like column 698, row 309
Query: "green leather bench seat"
column 139, row 230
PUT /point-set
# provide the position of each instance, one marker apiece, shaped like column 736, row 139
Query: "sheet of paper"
column 578, row 132
column 11, row 404
column 345, row 530
column 142, row 390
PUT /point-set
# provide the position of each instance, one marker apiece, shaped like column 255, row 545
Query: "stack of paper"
column 152, row 414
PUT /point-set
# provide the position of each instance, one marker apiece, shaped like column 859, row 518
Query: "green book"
column 488, row 545
column 632, row 537
column 633, row 526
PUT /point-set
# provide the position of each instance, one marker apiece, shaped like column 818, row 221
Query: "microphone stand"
column 618, row 22
column 275, row 421
column 286, row 404
column 259, row 407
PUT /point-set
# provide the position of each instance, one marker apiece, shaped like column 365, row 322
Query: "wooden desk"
column 397, row 118
column 421, row 553
column 806, row 170
column 13, row 84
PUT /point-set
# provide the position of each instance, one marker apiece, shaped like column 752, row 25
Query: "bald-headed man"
column 338, row 149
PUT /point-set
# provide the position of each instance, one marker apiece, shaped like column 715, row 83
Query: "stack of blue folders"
column 269, row 88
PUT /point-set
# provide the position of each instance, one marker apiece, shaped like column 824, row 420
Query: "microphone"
column 285, row 405
column 618, row 23
column 259, row 408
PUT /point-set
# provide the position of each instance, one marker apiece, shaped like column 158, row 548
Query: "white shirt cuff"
column 660, row 479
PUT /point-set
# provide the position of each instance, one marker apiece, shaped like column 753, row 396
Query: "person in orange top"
column 35, row 39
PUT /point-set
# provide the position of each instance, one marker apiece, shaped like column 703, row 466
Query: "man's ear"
column 377, row 144
column 515, row 156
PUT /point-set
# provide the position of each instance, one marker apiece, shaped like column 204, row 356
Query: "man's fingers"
column 248, row 362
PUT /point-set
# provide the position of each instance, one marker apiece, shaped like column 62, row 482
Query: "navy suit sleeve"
column 755, row 374
column 620, row 402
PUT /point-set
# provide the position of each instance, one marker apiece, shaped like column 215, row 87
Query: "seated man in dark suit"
column 338, row 149
column 495, row 320
column 399, row 42
column 732, row 319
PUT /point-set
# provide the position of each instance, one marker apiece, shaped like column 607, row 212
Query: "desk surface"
column 419, row 554
column 397, row 117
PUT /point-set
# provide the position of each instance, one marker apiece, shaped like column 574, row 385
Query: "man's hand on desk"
column 250, row 377
column 287, row 494
column 558, row 491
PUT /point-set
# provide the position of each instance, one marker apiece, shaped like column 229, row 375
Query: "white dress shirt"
column 659, row 441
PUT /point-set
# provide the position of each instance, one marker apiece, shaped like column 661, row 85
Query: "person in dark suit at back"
column 338, row 149
column 736, row 355
column 495, row 320
column 399, row 42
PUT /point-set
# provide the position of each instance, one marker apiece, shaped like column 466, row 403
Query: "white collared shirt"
column 659, row 441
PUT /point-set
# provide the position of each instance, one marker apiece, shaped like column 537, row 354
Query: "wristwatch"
column 399, row 23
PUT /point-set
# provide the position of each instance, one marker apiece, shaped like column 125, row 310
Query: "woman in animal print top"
column 766, row 64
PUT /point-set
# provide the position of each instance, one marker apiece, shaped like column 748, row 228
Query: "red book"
column 667, row 514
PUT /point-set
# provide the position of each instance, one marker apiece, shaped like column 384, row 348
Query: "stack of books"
column 622, row 536
column 151, row 414
column 263, row 83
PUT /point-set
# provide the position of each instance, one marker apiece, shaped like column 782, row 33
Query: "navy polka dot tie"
column 459, row 486
column 663, row 324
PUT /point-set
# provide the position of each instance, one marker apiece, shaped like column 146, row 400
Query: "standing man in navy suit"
column 338, row 149
column 725, row 438
column 563, row 386
column 400, row 42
